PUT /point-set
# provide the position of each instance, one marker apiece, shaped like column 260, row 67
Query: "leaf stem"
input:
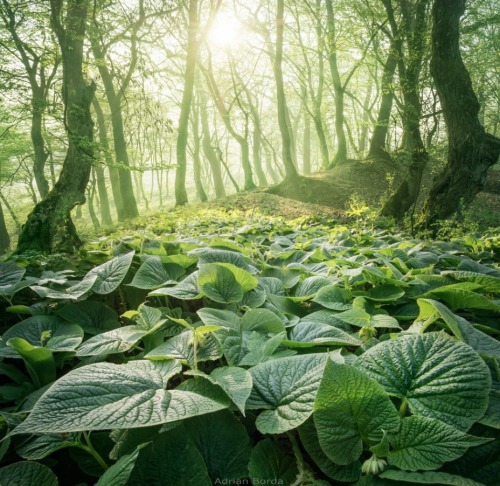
column 403, row 407
column 90, row 449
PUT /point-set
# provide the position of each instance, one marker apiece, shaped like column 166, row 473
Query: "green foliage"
column 276, row 352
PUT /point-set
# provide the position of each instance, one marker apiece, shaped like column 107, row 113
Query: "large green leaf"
column 39, row 361
column 271, row 462
column 308, row 334
column 430, row 310
column 49, row 331
column 310, row 441
column 286, row 388
column 261, row 320
column 424, row 443
column 26, row 473
column 172, row 459
column 351, row 409
column 10, row 276
column 153, row 274
column 437, row 376
column 118, row 474
column 219, row 284
column 488, row 283
column 248, row 342
column 333, row 297
column 462, row 299
column 110, row 275
column 428, row 477
column 309, row 287
column 70, row 293
column 111, row 342
column 223, row 443
column 219, row 317
column 210, row 255
column 245, row 279
column 43, row 445
column 236, row 382
column 93, row 317
column 187, row 289
column 181, row 347
column 385, row 293
column 108, row 396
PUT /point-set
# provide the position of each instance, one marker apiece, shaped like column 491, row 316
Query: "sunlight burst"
column 226, row 31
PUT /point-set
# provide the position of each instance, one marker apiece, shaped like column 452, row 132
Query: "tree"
column 181, row 196
column 49, row 226
column 126, row 205
column 4, row 234
column 40, row 65
column 338, row 86
column 412, row 30
column 471, row 150
column 291, row 171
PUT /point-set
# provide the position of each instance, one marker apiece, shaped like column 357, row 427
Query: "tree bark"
column 4, row 234
column 195, row 122
column 414, row 28
column 215, row 165
column 101, row 181
column 471, row 150
column 49, row 226
column 286, row 137
column 341, row 154
column 128, row 207
column 226, row 118
column 181, row 196
column 379, row 136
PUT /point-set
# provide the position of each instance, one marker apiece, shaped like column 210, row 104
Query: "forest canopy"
column 114, row 109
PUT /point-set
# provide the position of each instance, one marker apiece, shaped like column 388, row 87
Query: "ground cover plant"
column 253, row 350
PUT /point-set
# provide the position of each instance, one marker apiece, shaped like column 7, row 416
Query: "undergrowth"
column 233, row 347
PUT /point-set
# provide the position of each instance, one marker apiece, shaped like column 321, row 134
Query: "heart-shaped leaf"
column 286, row 387
column 438, row 377
column 108, row 396
column 349, row 409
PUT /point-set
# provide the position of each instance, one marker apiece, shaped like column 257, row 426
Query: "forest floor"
column 340, row 191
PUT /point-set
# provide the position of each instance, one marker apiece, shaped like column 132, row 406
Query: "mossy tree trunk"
column 471, row 151
column 49, row 226
column 338, row 88
column 286, row 137
column 4, row 234
column 413, row 29
column 379, row 137
column 101, row 180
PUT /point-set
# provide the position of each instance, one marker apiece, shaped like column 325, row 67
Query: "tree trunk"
column 181, row 196
column 471, row 151
column 341, row 154
column 11, row 212
column 101, row 181
column 4, row 235
column 40, row 153
column 286, row 139
column 49, row 226
column 409, row 72
column 306, row 148
column 208, row 150
column 127, row 207
column 226, row 118
column 379, row 136
column 195, row 122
